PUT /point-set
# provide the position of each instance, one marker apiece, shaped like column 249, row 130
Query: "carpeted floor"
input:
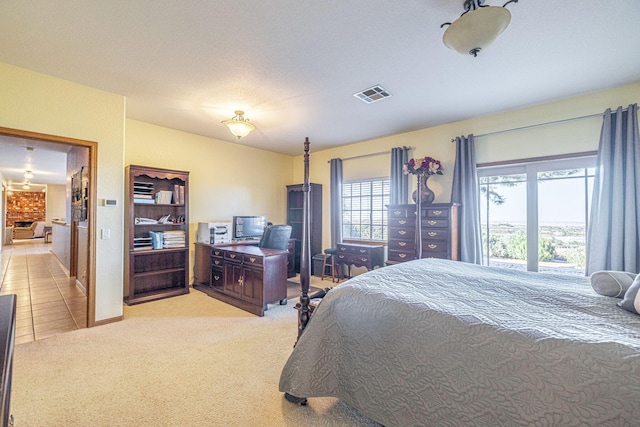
column 190, row 360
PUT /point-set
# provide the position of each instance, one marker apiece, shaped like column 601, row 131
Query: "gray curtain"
column 465, row 192
column 336, row 202
column 613, row 236
column 399, row 182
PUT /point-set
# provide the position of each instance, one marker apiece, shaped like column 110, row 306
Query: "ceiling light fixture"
column 28, row 175
column 478, row 27
column 26, row 185
column 239, row 125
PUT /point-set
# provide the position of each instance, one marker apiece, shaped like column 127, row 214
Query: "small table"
column 360, row 255
column 47, row 233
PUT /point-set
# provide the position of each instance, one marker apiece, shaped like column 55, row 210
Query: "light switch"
column 106, row 234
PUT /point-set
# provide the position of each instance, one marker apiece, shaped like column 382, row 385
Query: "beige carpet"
column 184, row 361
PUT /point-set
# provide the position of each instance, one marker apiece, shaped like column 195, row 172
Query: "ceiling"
column 293, row 66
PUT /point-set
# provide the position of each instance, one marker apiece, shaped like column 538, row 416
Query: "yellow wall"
column 35, row 102
column 568, row 137
column 225, row 179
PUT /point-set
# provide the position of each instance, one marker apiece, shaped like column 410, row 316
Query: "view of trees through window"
column 547, row 209
column 364, row 211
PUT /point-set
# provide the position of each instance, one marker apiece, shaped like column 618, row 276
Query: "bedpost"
column 305, row 256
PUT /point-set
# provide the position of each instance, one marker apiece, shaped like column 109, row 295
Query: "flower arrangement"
column 423, row 166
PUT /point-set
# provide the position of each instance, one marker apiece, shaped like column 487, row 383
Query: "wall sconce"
column 477, row 27
column 238, row 125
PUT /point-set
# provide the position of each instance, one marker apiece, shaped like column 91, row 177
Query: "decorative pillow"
column 612, row 283
column 631, row 300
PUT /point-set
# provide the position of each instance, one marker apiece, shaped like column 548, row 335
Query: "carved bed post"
column 305, row 256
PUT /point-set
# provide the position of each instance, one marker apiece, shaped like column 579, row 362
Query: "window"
column 534, row 216
column 364, row 211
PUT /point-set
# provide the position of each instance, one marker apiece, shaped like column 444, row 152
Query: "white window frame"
column 385, row 218
column 531, row 168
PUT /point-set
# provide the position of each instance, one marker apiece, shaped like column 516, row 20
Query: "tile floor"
column 48, row 301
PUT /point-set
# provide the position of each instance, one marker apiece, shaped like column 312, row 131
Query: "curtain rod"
column 589, row 116
column 368, row 155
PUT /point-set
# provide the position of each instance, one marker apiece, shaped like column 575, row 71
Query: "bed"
column 436, row 342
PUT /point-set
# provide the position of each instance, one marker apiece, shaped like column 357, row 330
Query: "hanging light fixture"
column 477, row 27
column 239, row 125
column 26, row 185
column 28, row 175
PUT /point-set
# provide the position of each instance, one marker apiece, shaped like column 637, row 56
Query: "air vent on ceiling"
column 373, row 94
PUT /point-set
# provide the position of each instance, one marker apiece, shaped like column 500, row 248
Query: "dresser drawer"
column 402, row 222
column 435, row 246
column 401, row 256
column 217, row 278
column 216, row 252
column 402, row 233
column 216, row 262
column 401, row 245
column 435, row 234
column 435, row 223
column 401, row 212
column 437, row 213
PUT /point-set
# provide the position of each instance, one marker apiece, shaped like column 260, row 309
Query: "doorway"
column 86, row 251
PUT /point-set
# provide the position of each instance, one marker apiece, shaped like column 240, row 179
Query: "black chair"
column 276, row 237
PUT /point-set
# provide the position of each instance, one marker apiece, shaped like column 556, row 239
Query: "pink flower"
column 423, row 166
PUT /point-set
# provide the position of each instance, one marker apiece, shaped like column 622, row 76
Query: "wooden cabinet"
column 246, row 276
column 295, row 199
column 359, row 255
column 439, row 222
column 158, row 203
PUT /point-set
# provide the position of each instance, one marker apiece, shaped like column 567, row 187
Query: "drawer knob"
column 402, row 255
column 216, row 262
column 432, row 246
column 397, row 212
column 432, row 233
column 363, row 259
column 216, row 277
column 402, row 221
column 437, row 213
column 431, row 222
column 403, row 232
column 232, row 256
column 402, row 243
column 363, row 251
column 252, row 259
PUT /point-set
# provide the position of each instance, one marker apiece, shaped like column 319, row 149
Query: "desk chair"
column 276, row 237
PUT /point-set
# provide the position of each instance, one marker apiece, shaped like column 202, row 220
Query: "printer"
column 214, row 233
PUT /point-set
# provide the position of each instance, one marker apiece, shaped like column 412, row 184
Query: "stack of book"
column 142, row 243
column 143, row 192
column 174, row 239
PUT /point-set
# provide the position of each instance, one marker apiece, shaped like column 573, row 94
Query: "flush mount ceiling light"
column 238, row 125
column 478, row 27
column 28, row 175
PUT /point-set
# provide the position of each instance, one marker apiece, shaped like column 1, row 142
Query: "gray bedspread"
column 442, row 343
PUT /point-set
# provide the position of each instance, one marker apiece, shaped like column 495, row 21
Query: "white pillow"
column 612, row 283
column 631, row 301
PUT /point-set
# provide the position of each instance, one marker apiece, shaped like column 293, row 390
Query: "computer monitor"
column 248, row 227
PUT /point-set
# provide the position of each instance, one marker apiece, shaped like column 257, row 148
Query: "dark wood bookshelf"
column 152, row 274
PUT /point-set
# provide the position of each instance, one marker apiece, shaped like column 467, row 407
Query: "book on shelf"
column 178, row 194
column 136, row 199
column 163, row 197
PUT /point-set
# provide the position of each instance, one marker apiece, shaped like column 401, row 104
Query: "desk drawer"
column 253, row 260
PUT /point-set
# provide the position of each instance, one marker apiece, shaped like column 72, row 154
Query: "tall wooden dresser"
column 439, row 223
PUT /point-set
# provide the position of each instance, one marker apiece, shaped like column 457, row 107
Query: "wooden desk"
column 246, row 276
column 360, row 255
